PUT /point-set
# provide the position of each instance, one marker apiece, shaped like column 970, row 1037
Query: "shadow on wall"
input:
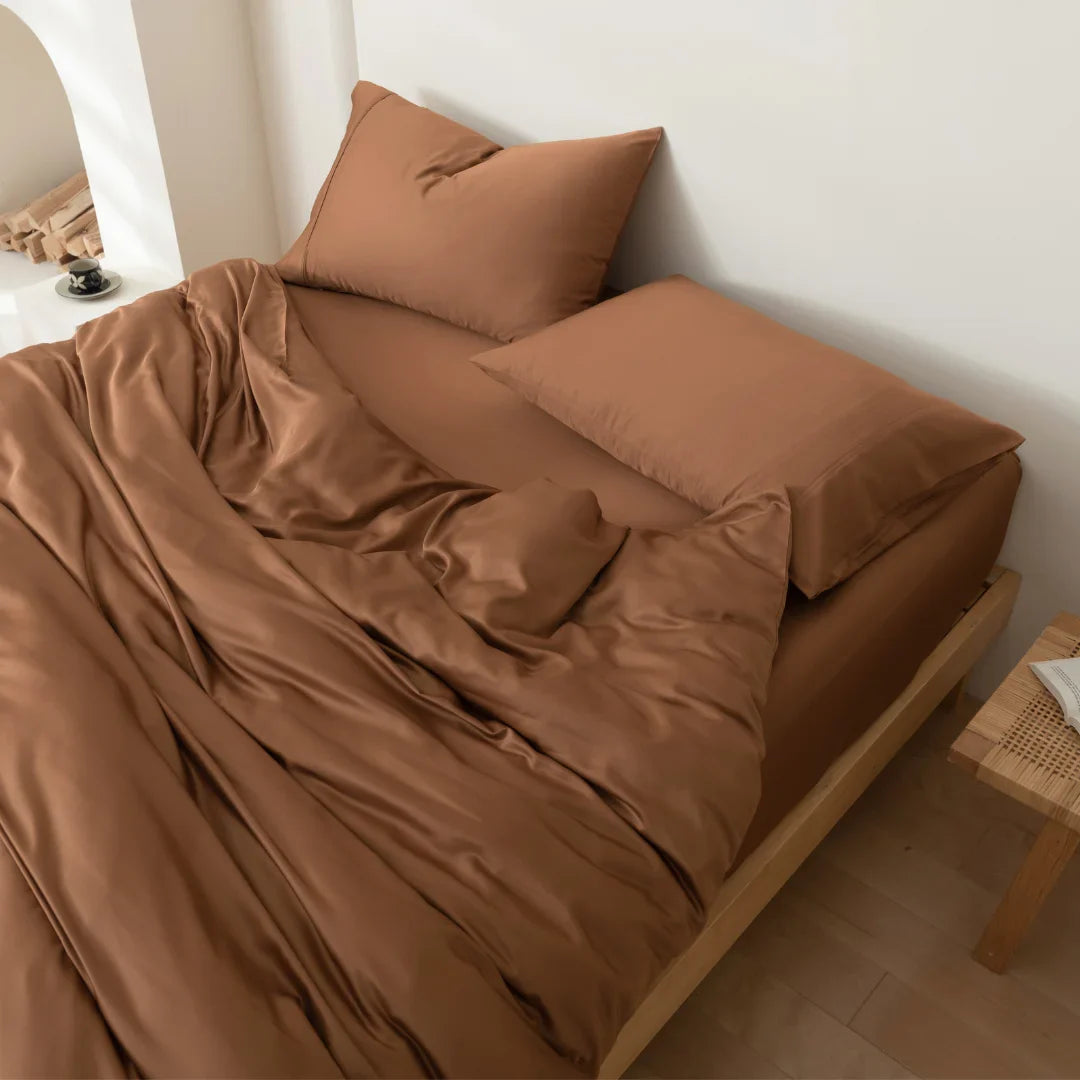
column 663, row 218
column 665, row 230
column 489, row 126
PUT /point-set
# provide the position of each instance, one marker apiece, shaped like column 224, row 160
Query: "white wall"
column 306, row 63
column 37, row 130
column 200, row 73
column 898, row 177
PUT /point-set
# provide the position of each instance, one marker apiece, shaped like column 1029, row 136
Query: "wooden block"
column 41, row 210
column 1032, row 885
column 56, row 249
column 56, row 253
column 78, row 204
column 86, row 220
column 35, row 248
column 76, row 246
column 54, row 246
column 16, row 221
column 92, row 240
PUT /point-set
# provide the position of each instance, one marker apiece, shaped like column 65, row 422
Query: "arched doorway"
column 92, row 59
column 37, row 130
column 169, row 121
column 38, row 144
column 95, row 53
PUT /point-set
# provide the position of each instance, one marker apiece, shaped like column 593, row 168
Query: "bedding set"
column 319, row 760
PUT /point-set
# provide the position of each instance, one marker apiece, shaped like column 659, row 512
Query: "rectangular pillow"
column 715, row 401
column 422, row 212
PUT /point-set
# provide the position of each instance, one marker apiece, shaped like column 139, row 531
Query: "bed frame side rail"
column 760, row 877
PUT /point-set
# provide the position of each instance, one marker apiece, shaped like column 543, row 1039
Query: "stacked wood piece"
column 61, row 225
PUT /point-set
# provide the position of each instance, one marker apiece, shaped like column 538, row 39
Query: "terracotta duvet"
column 315, row 761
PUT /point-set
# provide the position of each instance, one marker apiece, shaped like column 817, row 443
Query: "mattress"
column 842, row 657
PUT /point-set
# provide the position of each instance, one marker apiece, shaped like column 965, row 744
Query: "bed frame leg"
column 951, row 701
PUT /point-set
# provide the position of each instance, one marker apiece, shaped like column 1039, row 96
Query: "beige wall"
column 37, row 131
column 200, row 74
column 305, row 56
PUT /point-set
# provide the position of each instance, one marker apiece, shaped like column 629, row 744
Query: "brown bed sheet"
column 269, row 659
column 842, row 657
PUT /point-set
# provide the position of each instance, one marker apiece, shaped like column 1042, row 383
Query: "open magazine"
column 1062, row 679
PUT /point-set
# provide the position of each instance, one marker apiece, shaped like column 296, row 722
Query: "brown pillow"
column 427, row 214
column 716, row 401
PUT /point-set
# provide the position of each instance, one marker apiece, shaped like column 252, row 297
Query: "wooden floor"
column 861, row 966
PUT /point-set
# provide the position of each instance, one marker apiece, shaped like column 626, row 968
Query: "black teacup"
column 85, row 276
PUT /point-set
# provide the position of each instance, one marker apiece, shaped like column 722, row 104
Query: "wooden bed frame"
column 780, row 854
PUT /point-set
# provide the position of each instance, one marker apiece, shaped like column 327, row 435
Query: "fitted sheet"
column 842, row 657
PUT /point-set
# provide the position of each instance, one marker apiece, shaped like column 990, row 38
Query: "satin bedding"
column 842, row 658
column 319, row 762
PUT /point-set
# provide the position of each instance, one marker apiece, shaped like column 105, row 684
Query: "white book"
column 1062, row 679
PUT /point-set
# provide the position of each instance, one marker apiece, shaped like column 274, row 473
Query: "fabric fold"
column 318, row 761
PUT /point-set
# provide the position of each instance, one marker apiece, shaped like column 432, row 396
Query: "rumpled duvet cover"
column 315, row 761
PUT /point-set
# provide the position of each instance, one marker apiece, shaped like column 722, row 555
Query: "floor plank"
column 1030, row 1022
column 929, row 1040
column 805, row 955
column 1050, row 957
column 784, row 1027
column 861, row 966
column 935, row 891
column 693, row 1046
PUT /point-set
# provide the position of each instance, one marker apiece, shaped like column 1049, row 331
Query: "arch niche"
column 95, row 51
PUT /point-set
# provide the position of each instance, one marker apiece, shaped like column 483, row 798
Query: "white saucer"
column 112, row 280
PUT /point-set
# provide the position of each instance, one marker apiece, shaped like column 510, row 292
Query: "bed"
column 371, row 709
column 841, row 659
column 844, row 661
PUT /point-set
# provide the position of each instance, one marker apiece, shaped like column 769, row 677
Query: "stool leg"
column 1032, row 885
